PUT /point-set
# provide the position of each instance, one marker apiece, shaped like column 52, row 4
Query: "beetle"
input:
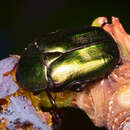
column 67, row 59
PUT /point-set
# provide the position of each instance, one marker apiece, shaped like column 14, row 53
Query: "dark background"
column 23, row 20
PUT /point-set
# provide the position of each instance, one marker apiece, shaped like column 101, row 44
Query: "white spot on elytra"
column 35, row 43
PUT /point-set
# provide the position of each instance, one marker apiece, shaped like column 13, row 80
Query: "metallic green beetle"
column 67, row 59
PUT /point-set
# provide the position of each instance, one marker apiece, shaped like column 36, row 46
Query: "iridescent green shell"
column 71, row 57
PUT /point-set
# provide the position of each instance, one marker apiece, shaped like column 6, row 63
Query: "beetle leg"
column 50, row 81
column 55, row 115
column 77, row 86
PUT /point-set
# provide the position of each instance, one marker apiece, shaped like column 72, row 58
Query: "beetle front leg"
column 49, row 78
column 55, row 115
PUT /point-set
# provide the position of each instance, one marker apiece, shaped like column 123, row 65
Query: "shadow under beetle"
column 67, row 59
